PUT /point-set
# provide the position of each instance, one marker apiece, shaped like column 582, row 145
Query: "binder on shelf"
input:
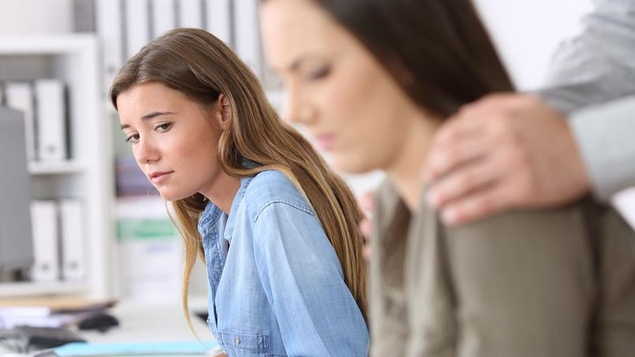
column 45, row 241
column 109, row 26
column 163, row 16
column 51, row 122
column 19, row 96
column 72, row 239
column 247, row 38
column 137, row 25
column 218, row 17
column 190, row 13
column 84, row 16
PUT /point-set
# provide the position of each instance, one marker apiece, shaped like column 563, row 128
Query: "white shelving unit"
column 87, row 175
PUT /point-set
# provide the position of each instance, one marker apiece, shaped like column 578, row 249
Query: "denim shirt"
column 276, row 287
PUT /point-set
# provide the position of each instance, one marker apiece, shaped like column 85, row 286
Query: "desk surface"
column 148, row 322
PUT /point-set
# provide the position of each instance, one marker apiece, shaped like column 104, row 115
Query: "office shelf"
column 53, row 168
column 87, row 175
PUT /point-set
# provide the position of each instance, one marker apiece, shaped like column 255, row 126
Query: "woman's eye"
column 319, row 73
column 132, row 138
column 163, row 127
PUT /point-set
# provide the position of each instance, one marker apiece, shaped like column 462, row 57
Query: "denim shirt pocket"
column 236, row 344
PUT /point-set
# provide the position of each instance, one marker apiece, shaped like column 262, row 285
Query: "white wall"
column 19, row 17
column 527, row 32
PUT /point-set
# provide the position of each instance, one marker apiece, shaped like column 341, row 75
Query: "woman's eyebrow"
column 148, row 117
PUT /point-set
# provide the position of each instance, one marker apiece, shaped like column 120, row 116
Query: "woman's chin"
column 172, row 196
column 352, row 167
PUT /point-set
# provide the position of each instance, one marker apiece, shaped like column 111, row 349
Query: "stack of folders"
column 233, row 21
column 181, row 349
column 49, row 313
column 58, row 240
column 43, row 103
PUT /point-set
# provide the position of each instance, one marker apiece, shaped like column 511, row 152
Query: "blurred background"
column 98, row 227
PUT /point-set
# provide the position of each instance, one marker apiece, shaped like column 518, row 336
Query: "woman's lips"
column 158, row 177
column 325, row 141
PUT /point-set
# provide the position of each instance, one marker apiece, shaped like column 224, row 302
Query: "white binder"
column 45, row 241
column 218, row 19
column 72, row 239
column 109, row 26
column 19, row 96
column 50, row 117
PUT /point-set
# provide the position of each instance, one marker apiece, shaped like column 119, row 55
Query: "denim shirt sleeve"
column 303, row 281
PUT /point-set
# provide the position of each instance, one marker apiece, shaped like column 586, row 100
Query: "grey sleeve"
column 605, row 135
column 589, row 75
column 598, row 65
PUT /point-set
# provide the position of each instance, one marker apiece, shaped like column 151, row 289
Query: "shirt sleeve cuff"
column 605, row 135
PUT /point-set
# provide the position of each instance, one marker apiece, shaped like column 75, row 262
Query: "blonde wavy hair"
column 202, row 67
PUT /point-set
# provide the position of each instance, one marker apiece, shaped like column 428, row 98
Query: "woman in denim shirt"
column 276, row 228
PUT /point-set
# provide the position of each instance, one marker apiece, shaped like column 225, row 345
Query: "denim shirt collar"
column 212, row 213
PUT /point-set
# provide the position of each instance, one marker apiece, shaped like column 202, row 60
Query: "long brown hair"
column 437, row 50
column 202, row 67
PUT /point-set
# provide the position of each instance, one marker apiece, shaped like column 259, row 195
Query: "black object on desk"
column 101, row 322
column 46, row 337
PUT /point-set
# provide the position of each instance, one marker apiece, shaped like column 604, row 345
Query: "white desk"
column 150, row 322
column 147, row 322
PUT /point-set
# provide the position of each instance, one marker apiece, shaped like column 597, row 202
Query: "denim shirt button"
column 237, row 341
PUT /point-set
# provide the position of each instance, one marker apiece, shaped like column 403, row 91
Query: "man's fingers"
column 448, row 158
column 472, row 118
column 468, row 178
column 454, row 129
column 480, row 204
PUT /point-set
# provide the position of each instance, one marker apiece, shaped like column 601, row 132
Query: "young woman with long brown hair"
column 277, row 229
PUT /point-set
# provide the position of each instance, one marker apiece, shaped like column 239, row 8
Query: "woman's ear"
column 225, row 111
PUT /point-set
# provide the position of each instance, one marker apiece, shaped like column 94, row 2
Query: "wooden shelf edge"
column 8, row 290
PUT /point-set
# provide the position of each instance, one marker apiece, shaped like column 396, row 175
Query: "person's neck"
column 405, row 173
column 223, row 192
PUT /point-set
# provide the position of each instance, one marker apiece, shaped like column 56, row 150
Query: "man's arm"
column 605, row 135
column 598, row 65
column 507, row 152
column 597, row 69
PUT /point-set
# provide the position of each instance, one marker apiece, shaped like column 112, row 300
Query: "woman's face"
column 337, row 90
column 174, row 139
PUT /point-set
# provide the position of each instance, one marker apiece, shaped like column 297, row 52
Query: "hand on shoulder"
column 505, row 151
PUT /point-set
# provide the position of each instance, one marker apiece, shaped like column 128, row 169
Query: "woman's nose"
column 145, row 152
column 297, row 110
